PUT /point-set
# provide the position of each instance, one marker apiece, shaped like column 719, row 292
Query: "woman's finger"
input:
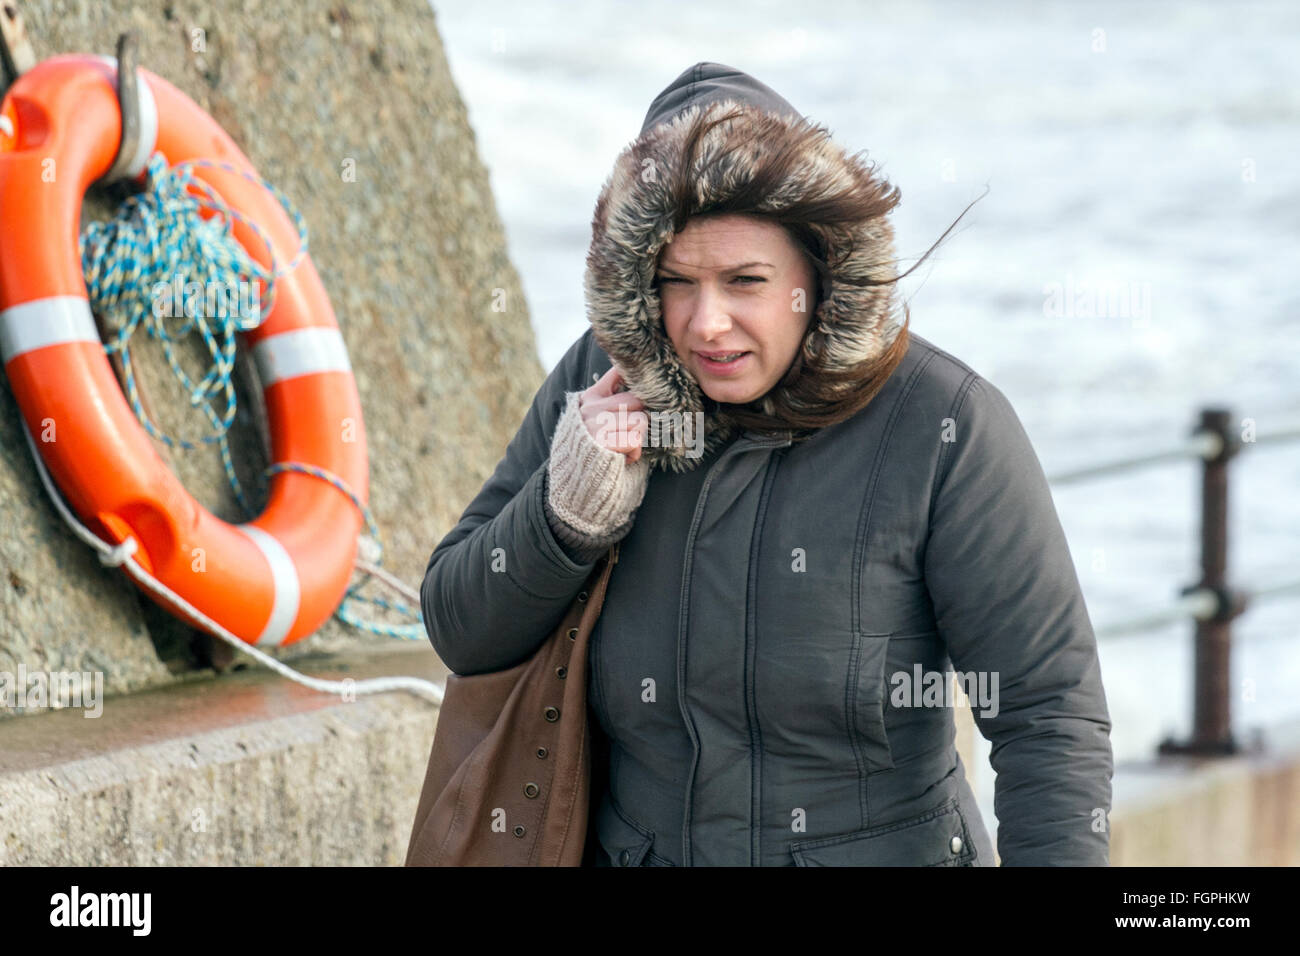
column 607, row 384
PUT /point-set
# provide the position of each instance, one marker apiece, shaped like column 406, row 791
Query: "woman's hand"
column 599, row 407
column 596, row 476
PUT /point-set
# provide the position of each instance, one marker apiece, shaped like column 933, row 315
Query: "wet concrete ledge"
column 251, row 769
column 1242, row 810
column 243, row 769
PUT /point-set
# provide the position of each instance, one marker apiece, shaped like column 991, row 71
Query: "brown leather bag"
column 509, row 777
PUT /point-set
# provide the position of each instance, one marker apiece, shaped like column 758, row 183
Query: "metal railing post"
column 1212, row 710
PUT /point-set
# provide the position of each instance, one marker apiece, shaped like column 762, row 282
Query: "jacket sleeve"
column 499, row 582
column 1007, row 601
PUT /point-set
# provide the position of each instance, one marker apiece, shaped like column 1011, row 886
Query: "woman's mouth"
column 724, row 363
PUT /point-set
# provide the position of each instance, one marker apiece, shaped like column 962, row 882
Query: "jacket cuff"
column 582, row 548
column 592, row 490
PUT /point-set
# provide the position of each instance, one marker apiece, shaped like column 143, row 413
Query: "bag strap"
column 597, row 598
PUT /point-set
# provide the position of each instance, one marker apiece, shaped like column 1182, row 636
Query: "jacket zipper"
column 751, row 655
column 683, row 609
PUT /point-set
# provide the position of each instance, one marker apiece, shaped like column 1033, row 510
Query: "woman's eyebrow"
column 744, row 265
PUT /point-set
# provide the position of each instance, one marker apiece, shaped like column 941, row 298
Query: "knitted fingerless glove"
column 592, row 492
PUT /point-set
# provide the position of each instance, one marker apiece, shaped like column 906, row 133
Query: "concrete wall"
column 1242, row 810
column 1226, row 811
column 246, row 769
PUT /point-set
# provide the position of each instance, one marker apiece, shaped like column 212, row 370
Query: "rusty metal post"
column 1212, row 710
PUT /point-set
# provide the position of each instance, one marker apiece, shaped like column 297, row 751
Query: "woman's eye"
column 746, row 279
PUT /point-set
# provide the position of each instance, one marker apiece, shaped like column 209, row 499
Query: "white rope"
column 120, row 556
column 401, row 587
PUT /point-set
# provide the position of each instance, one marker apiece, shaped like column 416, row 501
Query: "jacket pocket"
column 622, row 842
column 867, row 694
column 937, row 837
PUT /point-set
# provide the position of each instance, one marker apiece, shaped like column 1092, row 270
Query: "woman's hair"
column 812, row 396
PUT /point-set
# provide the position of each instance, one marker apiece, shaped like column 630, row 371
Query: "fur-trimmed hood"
column 857, row 318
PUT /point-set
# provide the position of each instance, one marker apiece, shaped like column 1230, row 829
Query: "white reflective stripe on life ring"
column 41, row 322
column 148, row 112
column 284, row 577
column 300, row 352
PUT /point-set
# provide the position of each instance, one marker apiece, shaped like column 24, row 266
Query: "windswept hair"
column 828, row 226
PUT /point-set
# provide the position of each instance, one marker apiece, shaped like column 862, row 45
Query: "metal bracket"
column 1229, row 603
column 128, row 101
column 16, row 55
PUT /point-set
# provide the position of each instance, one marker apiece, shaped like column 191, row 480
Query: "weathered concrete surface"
column 1229, row 811
column 244, row 769
column 412, row 254
column 1181, row 811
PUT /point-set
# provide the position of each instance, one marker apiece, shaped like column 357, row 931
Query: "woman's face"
column 733, row 283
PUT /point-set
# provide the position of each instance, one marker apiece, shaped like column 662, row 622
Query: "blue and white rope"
column 159, row 239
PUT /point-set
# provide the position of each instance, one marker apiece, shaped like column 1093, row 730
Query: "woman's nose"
column 709, row 318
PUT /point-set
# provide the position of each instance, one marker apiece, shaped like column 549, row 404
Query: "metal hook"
column 16, row 55
column 128, row 101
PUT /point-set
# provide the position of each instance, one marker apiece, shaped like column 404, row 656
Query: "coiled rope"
column 157, row 238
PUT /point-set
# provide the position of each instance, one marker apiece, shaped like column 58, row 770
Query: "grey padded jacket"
column 755, row 675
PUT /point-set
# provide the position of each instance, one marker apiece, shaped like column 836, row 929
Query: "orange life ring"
column 273, row 580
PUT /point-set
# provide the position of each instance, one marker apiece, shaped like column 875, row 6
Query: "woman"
column 858, row 509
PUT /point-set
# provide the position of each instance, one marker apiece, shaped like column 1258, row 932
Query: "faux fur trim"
column 632, row 223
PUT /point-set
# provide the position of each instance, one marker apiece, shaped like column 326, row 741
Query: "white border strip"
column 300, row 352
column 53, row 321
column 284, row 576
column 148, row 110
